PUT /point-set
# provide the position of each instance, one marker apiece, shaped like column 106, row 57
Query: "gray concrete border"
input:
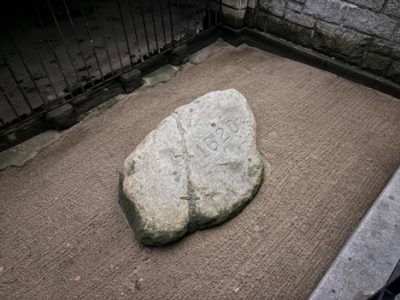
column 368, row 259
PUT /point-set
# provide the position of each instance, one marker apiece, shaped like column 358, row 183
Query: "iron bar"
column 16, row 82
column 220, row 11
column 94, row 51
column 103, row 37
column 92, row 46
column 215, row 13
column 171, row 22
column 187, row 17
column 162, row 22
column 124, row 30
column 208, row 12
column 154, row 24
column 39, row 56
column 69, row 88
column 145, row 29
column 132, row 13
column 8, row 101
column 20, row 56
column 64, row 43
column 46, row 72
column 195, row 15
column 27, row 70
column 77, row 41
column 51, row 46
column 114, row 38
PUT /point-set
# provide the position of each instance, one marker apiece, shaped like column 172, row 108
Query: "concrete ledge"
column 368, row 259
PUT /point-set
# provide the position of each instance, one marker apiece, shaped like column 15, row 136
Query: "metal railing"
column 53, row 51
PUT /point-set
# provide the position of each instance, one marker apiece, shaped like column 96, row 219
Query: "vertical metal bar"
column 77, row 41
column 16, row 81
column 162, row 22
column 195, row 13
column 187, row 17
column 102, row 29
column 132, row 13
column 9, row 102
column 94, row 51
column 145, row 29
column 124, row 30
column 154, row 24
column 52, row 47
column 23, row 62
column 221, row 15
column 215, row 13
column 29, row 73
column 64, row 43
column 113, row 34
column 38, row 54
column 208, row 12
column 171, row 22
column 92, row 46
column 63, row 75
column 45, row 71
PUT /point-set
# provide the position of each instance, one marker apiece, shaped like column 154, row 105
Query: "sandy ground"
column 329, row 146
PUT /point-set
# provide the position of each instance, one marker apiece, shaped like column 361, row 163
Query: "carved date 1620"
column 215, row 140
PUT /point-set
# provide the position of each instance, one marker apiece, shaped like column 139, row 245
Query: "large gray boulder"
column 198, row 168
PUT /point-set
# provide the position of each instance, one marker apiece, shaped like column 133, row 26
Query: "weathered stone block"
column 284, row 29
column 252, row 4
column 131, row 80
column 62, row 117
column 386, row 48
column 396, row 36
column 236, row 4
column 393, row 8
column 369, row 22
column 394, row 72
column 336, row 40
column 295, row 6
column 197, row 169
column 357, row 31
column 179, row 55
column 299, row 19
column 376, row 63
column 251, row 18
column 275, row 7
column 328, row 10
column 374, row 5
column 233, row 17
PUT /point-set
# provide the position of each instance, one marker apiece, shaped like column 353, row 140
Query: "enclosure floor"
column 329, row 146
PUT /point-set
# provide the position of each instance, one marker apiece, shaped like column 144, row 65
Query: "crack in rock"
column 191, row 196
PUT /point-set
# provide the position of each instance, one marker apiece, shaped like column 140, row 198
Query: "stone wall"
column 365, row 33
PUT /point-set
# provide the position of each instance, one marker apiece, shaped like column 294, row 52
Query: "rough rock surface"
column 198, row 168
